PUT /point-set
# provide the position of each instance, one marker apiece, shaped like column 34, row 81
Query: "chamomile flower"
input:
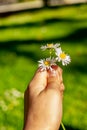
column 47, row 63
column 61, row 56
column 50, row 46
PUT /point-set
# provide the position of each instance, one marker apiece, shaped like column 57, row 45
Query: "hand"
column 43, row 101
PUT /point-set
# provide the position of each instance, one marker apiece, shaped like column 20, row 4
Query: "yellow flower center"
column 49, row 45
column 47, row 63
column 62, row 55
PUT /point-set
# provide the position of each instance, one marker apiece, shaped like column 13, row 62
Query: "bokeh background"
column 21, row 35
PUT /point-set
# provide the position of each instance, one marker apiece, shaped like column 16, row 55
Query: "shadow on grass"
column 77, row 35
column 41, row 23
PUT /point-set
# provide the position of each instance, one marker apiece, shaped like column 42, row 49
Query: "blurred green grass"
column 21, row 36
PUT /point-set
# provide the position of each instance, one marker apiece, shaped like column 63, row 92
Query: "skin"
column 43, row 100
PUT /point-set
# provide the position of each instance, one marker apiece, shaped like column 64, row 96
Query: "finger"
column 60, row 74
column 62, row 87
column 53, row 78
column 38, row 82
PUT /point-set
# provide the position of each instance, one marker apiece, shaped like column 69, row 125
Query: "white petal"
column 57, row 45
column 58, row 59
column 43, row 48
column 63, row 63
column 58, row 51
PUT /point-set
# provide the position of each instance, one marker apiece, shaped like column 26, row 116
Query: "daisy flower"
column 47, row 63
column 61, row 56
column 50, row 46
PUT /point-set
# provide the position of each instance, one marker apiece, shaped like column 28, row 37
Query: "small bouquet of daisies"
column 59, row 56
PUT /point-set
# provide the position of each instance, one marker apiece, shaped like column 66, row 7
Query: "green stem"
column 50, row 52
column 63, row 126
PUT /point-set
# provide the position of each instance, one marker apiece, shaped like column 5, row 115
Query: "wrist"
column 35, row 126
column 38, row 127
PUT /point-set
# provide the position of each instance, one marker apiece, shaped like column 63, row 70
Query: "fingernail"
column 55, row 67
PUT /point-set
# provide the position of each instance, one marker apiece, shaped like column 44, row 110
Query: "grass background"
column 21, row 36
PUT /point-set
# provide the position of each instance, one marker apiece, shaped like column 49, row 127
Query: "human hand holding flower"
column 43, row 100
column 43, row 97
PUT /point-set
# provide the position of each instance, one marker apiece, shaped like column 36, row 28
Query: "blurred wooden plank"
column 12, row 8
column 20, row 6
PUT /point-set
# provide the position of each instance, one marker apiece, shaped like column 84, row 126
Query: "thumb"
column 38, row 83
